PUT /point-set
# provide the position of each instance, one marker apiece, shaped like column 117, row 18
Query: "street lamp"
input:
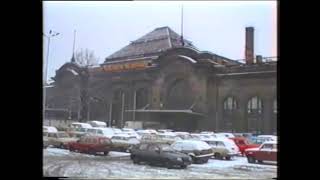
column 51, row 34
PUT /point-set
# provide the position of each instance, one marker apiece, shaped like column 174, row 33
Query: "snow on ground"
column 67, row 153
column 59, row 162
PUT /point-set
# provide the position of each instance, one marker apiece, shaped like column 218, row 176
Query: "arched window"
column 255, row 105
column 230, row 104
column 275, row 106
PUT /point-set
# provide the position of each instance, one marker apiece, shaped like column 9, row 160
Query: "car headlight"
column 179, row 159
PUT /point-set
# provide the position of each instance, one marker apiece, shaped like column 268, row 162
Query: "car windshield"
column 167, row 148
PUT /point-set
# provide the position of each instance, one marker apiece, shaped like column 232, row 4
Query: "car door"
column 153, row 153
column 264, row 152
column 142, row 152
column 273, row 153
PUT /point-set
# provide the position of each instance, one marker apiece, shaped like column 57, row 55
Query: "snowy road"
column 58, row 162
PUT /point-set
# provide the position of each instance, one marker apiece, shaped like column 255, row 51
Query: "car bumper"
column 204, row 156
column 233, row 154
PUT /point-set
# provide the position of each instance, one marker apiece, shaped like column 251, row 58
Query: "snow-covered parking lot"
column 117, row 165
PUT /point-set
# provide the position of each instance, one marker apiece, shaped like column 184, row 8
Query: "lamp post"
column 51, row 34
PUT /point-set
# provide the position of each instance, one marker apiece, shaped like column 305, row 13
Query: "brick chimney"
column 249, row 49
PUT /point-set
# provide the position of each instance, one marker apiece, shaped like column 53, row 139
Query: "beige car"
column 57, row 139
column 223, row 148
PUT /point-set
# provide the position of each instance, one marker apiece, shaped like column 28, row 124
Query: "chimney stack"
column 249, row 49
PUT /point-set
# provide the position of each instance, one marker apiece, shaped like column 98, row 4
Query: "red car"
column 243, row 144
column 91, row 145
column 266, row 152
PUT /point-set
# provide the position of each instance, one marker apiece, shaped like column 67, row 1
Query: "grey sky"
column 105, row 27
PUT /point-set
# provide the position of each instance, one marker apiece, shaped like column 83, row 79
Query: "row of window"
column 254, row 104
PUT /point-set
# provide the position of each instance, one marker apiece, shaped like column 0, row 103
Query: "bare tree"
column 85, row 57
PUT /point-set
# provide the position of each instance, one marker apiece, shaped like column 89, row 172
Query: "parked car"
column 123, row 142
column 146, row 131
column 159, row 154
column 77, row 125
column 268, row 137
column 183, row 135
column 91, row 144
column 260, row 140
column 97, row 123
column 168, row 137
column 227, row 135
column 223, row 148
column 107, row 132
column 131, row 132
column 206, row 132
column 49, row 129
column 243, row 144
column 58, row 139
column 199, row 151
column 164, row 130
column 266, row 152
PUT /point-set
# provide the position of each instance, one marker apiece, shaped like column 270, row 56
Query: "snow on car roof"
column 99, row 122
column 195, row 143
column 127, row 129
column 86, row 125
column 167, row 134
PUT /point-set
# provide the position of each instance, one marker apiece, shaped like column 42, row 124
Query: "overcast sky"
column 106, row 27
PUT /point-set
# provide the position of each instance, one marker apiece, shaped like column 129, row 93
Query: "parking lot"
column 62, row 163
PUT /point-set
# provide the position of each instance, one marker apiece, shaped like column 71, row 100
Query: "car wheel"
column 228, row 157
column 106, row 153
column 217, row 156
column 251, row 159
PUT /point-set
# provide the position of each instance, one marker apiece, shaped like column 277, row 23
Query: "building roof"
column 153, row 43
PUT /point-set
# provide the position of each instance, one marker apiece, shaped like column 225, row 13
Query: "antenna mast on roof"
column 74, row 41
column 182, row 41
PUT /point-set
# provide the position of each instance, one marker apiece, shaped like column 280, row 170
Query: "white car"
column 123, row 142
column 169, row 137
column 207, row 132
column 146, row 131
column 268, row 137
column 183, row 135
column 78, row 125
column 223, row 148
column 199, row 151
column 227, row 135
column 97, row 124
column 164, row 130
column 107, row 132
column 50, row 129
column 131, row 132
column 116, row 130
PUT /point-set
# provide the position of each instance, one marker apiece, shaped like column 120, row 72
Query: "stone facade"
column 182, row 88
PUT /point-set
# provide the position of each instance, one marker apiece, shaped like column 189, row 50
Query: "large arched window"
column 275, row 106
column 255, row 105
column 230, row 104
